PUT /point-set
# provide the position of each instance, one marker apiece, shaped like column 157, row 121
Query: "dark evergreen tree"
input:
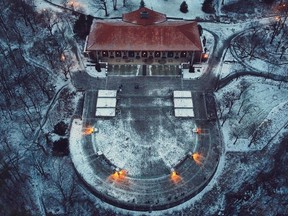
column 142, row 4
column 98, row 67
column 269, row 1
column 200, row 29
column 89, row 21
column 208, row 7
column 184, row 7
column 60, row 128
column 82, row 25
column 61, row 147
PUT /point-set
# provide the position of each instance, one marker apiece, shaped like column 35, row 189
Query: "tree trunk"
column 242, row 117
column 240, row 107
column 114, row 4
column 224, row 120
column 235, row 140
column 104, row 3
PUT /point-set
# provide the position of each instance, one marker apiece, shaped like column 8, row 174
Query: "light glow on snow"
column 73, row 4
column 175, row 177
column 205, row 56
column 198, row 158
column 62, row 58
column 88, row 130
column 198, row 131
column 118, row 176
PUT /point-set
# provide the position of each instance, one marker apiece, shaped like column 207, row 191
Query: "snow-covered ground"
column 263, row 102
column 262, row 117
column 170, row 8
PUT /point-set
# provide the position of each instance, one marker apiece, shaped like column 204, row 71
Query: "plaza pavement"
column 148, row 142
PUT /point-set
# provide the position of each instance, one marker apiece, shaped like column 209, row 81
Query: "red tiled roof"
column 136, row 34
column 153, row 17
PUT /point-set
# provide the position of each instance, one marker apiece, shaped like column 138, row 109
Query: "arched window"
column 170, row 54
column 131, row 54
column 118, row 53
column 105, row 53
column 157, row 54
column 144, row 54
column 183, row 54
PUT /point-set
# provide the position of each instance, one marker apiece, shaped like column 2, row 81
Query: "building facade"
column 144, row 37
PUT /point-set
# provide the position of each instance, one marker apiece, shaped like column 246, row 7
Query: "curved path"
column 226, row 80
column 253, row 71
column 53, row 100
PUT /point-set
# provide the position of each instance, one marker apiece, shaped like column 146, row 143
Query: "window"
column 104, row 53
column 144, row 54
column 183, row 54
column 131, row 54
column 157, row 54
column 118, row 53
column 170, row 54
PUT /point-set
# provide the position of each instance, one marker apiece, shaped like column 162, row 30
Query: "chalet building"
column 144, row 37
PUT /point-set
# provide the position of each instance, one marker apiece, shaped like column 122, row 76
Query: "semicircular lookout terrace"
column 143, row 162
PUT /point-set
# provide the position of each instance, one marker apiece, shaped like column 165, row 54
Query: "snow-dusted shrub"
column 208, row 7
column 82, row 26
column 60, row 128
column 184, row 7
column 60, row 147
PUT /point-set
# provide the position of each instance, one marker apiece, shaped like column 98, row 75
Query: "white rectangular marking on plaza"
column 107, row 93
column 182, row 94
column 183, row 104
column 184, row 112
column 106, row 103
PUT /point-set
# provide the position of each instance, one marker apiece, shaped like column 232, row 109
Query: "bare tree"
column 225, row 117
column 283, row 10
column 42, row 82
column 260, row 131
column 257, row 39
column 25, row 10
column 243, row 85
column 102, row 5
column 247, row 44
column 283, row 49
column 48, row 20
column 279, row 24
column 276, row 30
column 271, row 66
column 221, row 109
column 13, row 181
column 246, row 110
column 39, row 165
column 114, row 4
column 235, row 132
column 242, row 103
column 229, row 98
column 66, row 65
column 65, row 183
